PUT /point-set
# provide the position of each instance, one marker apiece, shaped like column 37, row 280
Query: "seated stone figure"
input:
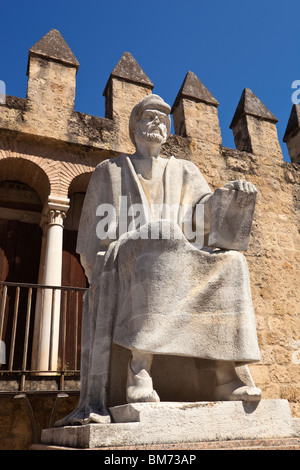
column 155, row 288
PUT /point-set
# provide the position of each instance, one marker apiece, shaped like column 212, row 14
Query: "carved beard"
column 150, row 136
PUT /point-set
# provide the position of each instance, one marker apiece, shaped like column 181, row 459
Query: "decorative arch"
column 80, row 183
column 28, row 172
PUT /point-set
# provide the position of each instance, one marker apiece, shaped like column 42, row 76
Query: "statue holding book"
column 160, row 251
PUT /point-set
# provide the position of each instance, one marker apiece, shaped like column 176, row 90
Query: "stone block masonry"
column 45, row 143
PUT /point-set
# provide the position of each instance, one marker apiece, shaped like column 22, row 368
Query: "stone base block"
column 172, row 422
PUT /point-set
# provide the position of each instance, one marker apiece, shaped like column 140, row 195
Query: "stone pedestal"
column 173, row 422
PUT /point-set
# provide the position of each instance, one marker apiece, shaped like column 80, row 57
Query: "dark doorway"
column 20, row 246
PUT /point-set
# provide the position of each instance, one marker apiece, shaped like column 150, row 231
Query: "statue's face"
column 152, row 126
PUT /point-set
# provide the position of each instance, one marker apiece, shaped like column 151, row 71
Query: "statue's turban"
column 150, row 102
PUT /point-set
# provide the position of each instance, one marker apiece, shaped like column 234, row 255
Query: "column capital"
column 55, row 210
column 56, row 217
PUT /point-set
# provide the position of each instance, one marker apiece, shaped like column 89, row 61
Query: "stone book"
column 231, row 220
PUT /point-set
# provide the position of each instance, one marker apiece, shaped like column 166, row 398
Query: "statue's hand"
column 244, row 189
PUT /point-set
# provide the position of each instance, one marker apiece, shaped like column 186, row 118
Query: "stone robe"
column 162, row 296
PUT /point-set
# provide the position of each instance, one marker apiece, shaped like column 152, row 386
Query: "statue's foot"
column 237, row 390
column 134, row 395
column 96, row 418
column 140, row 387
column 71, row 418
column 80, row 416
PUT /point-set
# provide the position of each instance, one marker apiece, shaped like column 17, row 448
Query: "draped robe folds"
column 161, row 296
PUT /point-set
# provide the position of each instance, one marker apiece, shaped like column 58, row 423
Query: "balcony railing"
column 27, row 340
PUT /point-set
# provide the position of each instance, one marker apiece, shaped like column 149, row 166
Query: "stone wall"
column 54, row 149
column 17, row 430
column 273, row 255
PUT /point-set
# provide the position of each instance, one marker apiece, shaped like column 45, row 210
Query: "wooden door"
column 72, row 276
column 20, row 245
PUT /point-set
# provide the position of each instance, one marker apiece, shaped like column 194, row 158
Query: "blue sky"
column 229, row 45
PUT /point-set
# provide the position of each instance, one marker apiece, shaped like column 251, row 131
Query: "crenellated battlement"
column 48, row 110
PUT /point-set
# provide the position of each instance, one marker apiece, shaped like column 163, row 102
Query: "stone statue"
column 155, row 285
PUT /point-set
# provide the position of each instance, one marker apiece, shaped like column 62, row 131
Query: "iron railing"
column 21, row 315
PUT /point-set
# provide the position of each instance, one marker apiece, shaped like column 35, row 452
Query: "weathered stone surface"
column 16, row 428
column 163, row 423
column 254, row 127
column 128, row 69
column 231, row 221
column 195, row 112
column 126, row 86
column 55, row 162
column 193, row 88
column 293, row 122
column 292, row 134
column 249, row 104
column 53, row 46
column 209, row 312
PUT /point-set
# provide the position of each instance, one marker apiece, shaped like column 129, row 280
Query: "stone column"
column 39, row 297
column 50, row 313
